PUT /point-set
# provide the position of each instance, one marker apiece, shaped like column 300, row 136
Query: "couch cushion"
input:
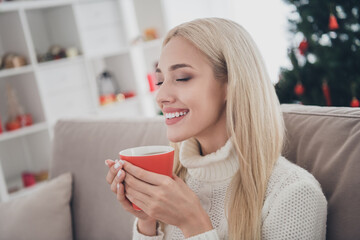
column 81, row 146
column 325, row 141
column 43, row 214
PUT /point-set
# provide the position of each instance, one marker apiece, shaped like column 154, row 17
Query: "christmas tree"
column 326, row 62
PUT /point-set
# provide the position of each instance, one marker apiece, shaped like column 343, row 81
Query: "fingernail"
column 117, row 186
column 119, row 173
column 122, row 162
column 106, row 163
column 117, row 165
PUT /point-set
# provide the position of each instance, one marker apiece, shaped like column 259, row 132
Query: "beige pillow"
column 43, row 214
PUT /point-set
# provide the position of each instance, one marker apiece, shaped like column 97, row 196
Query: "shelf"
column 13, row 6
column 62, row 61
column 25, row 191
column 23, row 131
column 15, row 71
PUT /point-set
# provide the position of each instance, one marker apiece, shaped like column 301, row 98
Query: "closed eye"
column 182, row 79
column 158, row 83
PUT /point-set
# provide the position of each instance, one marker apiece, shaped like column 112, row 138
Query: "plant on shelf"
column 16, row 115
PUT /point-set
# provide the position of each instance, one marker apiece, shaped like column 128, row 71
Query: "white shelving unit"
column 103, row 31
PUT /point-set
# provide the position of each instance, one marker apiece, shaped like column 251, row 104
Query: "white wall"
column 266, row 21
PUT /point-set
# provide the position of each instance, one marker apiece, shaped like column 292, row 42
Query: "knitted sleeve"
column 138, row 236
column 209, row 235
column 298, row 212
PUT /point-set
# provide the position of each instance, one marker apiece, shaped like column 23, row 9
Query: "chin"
column 176, row 137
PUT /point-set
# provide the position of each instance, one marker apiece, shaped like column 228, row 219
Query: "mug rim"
column 140, row 151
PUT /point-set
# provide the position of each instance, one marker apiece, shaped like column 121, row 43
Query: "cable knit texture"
column 294, row 206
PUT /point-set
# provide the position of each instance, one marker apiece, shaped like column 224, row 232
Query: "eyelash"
column 179, row 80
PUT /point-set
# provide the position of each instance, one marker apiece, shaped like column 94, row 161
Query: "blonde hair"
column 254, row 118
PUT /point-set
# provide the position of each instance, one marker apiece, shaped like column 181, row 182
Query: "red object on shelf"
column 355, row 102
column 28, row 179
column 129, row 94
column 333, row 24
column 106, row 99
column 25, row 120
column 13, row 125
column 151, row 80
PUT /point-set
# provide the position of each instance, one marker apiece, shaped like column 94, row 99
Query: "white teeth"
column 176, row 114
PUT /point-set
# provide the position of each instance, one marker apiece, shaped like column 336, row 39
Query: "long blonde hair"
column 254, row 119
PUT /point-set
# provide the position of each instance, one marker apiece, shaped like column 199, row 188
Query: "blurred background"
column 96, row 58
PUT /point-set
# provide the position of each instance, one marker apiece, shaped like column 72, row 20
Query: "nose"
column 165, row 94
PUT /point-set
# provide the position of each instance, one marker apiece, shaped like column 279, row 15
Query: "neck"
column 214, row 138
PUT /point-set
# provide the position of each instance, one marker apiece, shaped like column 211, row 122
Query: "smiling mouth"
column 175, row 114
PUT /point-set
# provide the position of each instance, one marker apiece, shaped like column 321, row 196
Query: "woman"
column 224, row 121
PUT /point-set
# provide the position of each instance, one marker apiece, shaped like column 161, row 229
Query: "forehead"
column 180, row 50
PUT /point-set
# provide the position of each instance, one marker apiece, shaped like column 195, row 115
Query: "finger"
column 119, row 178
column 137, row 198
column 120, row 195
column 109, row 162
column 146, row 176
column 113, row 171
column 139, row 185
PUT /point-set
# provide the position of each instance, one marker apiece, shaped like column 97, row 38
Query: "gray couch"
column 324, row 140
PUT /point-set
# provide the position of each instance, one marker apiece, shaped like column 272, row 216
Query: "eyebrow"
column 175, row 66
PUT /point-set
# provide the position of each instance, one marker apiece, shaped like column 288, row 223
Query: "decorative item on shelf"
column 12, row 60
column 108, row 88
column 17, row 118
column 58, row 52
column 41, row 176
column 72, row 52
column 28, row 179
column 129, row 94
column 150, row 34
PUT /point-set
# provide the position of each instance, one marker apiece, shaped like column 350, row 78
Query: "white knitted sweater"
column 294, row 206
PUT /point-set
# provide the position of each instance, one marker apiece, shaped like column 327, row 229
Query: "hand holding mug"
column 115, row 178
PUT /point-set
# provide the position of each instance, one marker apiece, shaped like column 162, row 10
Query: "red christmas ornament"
column 299, row 89
column 13, row 125
column 333, row 24
column 25, row 119
column 303, row 46
column 355, row 102
column 326, row 91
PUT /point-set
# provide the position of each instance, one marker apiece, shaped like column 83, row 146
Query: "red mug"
column 157, row 159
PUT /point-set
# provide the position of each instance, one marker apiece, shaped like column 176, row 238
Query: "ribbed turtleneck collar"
column 215, row 166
